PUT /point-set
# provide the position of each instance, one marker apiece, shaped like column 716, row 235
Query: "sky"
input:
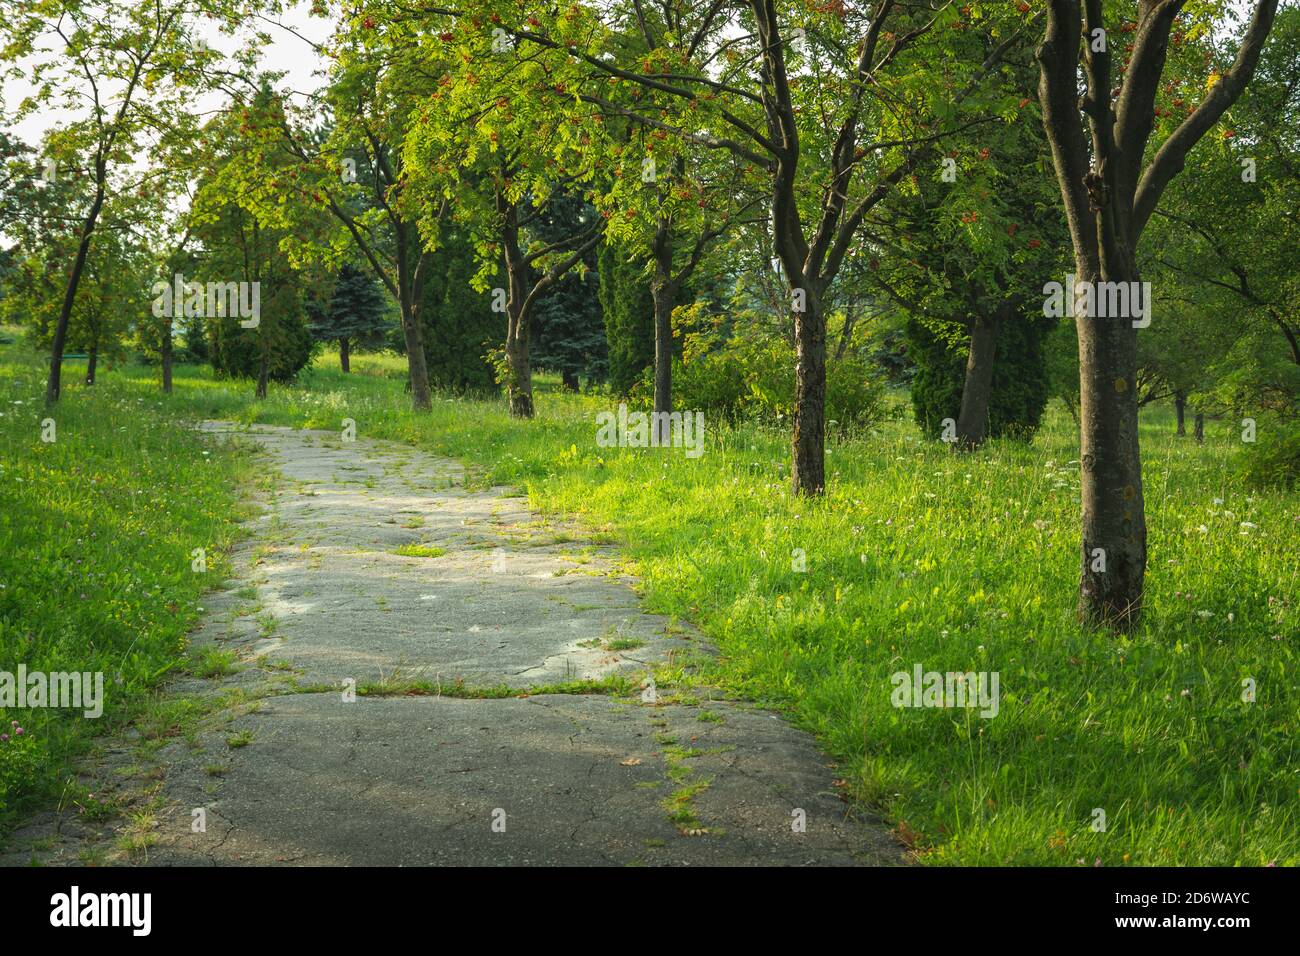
column 287, row 52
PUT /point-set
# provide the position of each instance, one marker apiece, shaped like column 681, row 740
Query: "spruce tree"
column 357, row 314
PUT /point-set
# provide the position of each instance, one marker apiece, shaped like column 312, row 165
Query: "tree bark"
column 416, row 367
column 519, row 385
column 519, row 373
column 973, row 419
column 53, row 385
column 1199, row 427
column 92, row 359
column 809, row 440
column 1180, row 409
column 167, row 356
column 1114, row 517
column 409, row 282
column 663, row 290
column 343, row 354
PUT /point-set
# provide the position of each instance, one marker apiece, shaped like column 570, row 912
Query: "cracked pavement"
column 289, row 768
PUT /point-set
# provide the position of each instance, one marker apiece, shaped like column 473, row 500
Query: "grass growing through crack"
column 212, row 662
column 680, row 807
column 615, row 685
column 420, row 551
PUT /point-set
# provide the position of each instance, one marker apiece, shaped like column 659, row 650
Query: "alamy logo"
column 923, row 688
column 81, row 691
column 1100, row 300
column 654, row 430
column 103, row 909
column 242, row 300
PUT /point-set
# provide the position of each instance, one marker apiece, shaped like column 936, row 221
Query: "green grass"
column 398, row 686
column 97, row 534
column 213, row 662
column 916, row 555
column 420, row 551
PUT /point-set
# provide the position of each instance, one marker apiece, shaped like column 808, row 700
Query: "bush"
column 236, row 351
column 755, row 379
column 1274, row 459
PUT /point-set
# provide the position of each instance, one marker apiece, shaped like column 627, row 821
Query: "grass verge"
column 103, row 503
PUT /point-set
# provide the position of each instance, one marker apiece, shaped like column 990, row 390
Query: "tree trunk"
column 410, row 283
column 664, row 293
column 1180, row 408
column 1199, row 427
column 973, row 419
column 416, row 367
column 92, row 359
column 519, row 382
column 519, row 373
column 1114, row 521
column 570, row 380
column 167, row 356
column 263, row 372
column 54, row 384
column 846, row 331
column 809, row 442
column 664, row 303
column 343, row 354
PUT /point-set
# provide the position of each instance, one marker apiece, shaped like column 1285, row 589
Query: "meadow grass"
column 955, row 562
column 97, row 533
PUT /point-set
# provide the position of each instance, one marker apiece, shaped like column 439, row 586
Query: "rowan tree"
column 1111, row 175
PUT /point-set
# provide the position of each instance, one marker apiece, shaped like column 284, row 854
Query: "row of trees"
column 794, row 166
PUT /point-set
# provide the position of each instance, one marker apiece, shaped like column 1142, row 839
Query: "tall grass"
column 97, row 533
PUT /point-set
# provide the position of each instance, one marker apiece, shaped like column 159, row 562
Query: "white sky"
column 287, row 52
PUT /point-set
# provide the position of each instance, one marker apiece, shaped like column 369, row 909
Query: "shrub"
column 1274, row 459
column 628, row 308
column 236, row 351
column 755, row 379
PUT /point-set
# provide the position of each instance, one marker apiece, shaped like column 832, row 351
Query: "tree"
column 683, row 194
column 136, row 68
column 341, row 194
column 1223, row 244
column 1109, row 196
column 975, row 299
column 795, row 114
column 1014, row 395
column 459, row 328
column 109, row 299
column 498, row 141
column 357, row 313
column 627, row 306
column 237, row 248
